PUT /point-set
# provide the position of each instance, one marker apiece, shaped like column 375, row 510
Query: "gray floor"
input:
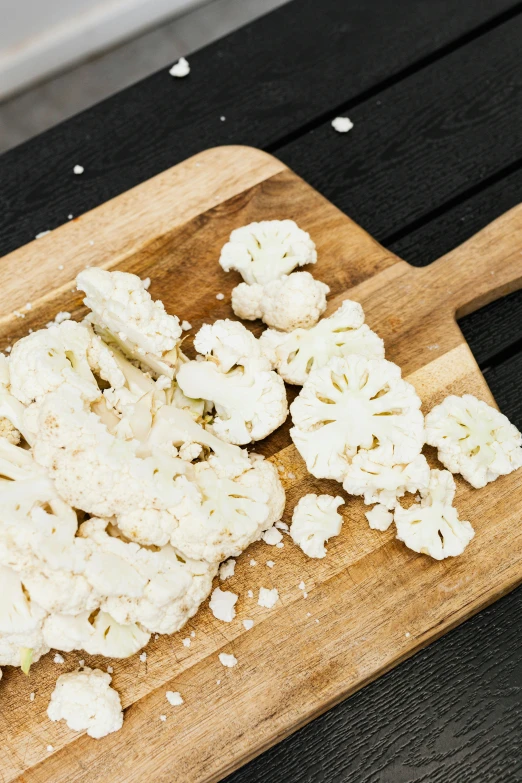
column 46, row 104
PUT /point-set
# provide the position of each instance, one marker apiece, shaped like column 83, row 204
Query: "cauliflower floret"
column 159, row 590
column 267, row 250
column 97, row 633
column 228, row 344
column 433, row 527
column 379, row 518
column 47, row 359
column 474, row 439
column 314, row 521
column 9, row 431
column 291, row 302
column 355, row 404
column 231, row 514
column 21, row 619
column 250, row 404
column 296, row 354
column 124, row 312
column 384, row 483
column 86, row 701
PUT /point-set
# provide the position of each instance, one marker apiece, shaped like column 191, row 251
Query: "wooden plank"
column 269, row 80
column 370, row 592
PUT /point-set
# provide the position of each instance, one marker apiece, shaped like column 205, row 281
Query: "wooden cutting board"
column 371, row 602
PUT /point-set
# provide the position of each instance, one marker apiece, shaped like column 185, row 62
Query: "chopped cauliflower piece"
column 250, row 404
column 174, row 698
column 227, row 660
column 379, row 518
column 97, row 633
column 222, row 604
column 180, row 69
column 385, row 483
column 226, row 569
column 296, row 354
column 159, row 589
column 474, row 439
column 342, row 124
column 356, row 404
column 314, row 521
column 272, row 536
column 266, row 251
column 124, row 312
column 86, row 701
column 268, row 598
column 433, row 527
column 295, row 301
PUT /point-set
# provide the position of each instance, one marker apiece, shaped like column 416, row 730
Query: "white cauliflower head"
column 296, row 354
column 291, row 302
column 474, row 439
column 86, row 702
column 158, row 589
column 124, row 312
column 433, row 527
column 267, row 250
column 356, row 404
column 385, row 483
column 314, row 521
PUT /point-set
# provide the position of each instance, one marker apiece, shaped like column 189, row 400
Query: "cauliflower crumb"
column 302, row 585
column 282, row 526
column 280, row 545
column 220, row 296
column 174, row 698
column 270, row 563
column 186, row 642
column 248, row 624
column 342, row 124
column 50, row 749
column 226, row 569
column 58, row 658
column 78, row 169
column 407, row 634
column 186, row 325
column 143, row 657
column 253, row 562
column 222, row 604
column 193, row 634
column 42, row 234
column 250, row 593
column 146, row 283
column 180, row 69
column 110, row 670
column 227, row 660
column 31, row 696
column 163, row 718
column 62, row 316
column 81, row 663
column 272, row 536
column 268, row 598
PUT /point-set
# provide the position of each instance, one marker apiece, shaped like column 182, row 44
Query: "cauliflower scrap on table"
column 314, row 521
column 86, row 701
column 474, row 439
column 265, row 254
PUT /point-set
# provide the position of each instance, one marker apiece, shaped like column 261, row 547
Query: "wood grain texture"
column 372, row 602
column 315, row 63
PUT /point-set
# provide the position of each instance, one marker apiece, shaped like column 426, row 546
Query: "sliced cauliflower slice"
column 124, row 312
column 250, row 404
column 160, row 590
column 228, row 343
column 355, row 404
column 291, row 302
column 21, row 619
column 296, row 354
column 231, row 514
column 97, row 633
column 433, row 527
column 314, row 521
column 47, row 359
column 86, row 702
column 474, row 439
column 267, row 250
column 385, row 483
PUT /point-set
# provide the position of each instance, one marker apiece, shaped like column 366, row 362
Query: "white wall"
column 40, row 37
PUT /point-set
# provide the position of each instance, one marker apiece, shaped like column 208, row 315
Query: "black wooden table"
column 434, row 90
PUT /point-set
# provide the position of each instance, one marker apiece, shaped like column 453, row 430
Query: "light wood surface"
column 371, row 602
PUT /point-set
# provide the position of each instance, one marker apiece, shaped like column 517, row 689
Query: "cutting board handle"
column 486, row 267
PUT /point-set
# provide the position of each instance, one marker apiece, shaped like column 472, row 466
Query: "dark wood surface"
column 436, row 153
